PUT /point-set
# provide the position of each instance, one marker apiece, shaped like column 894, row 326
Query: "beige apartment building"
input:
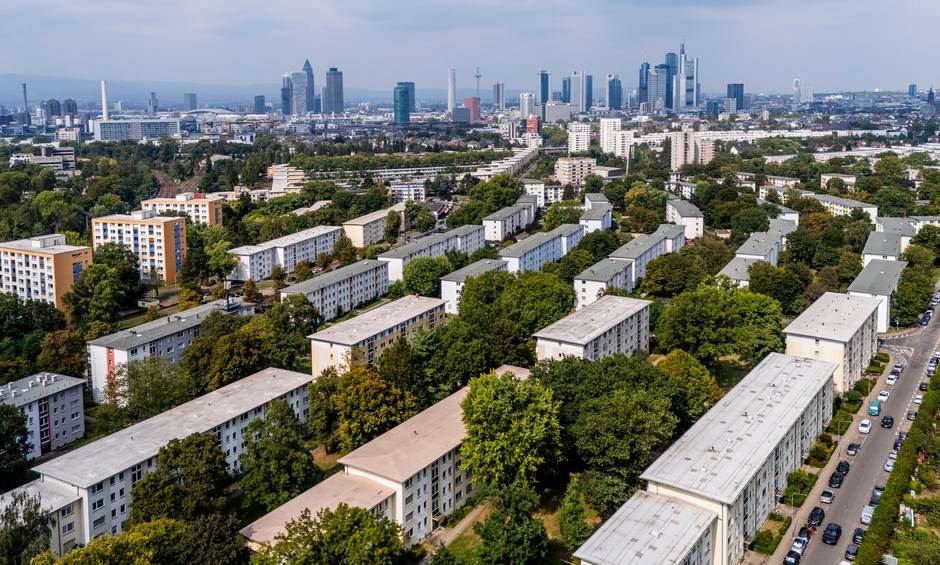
column 42, row 268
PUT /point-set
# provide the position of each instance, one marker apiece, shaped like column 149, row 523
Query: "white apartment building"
column 849, row 180
column 843, row 206
column 533, row 252
column 579, row 137
column 879, row 279
column 411, row 475
column 256, row 262
column 681, row 188
column 166, row 337
column 404, row 191
column 885, row 246
column 606, row 273
column 53, row 407
column 545, row 195
column 598, row 217
column 452, row 283
column 763, row 246
column 687, row 215
column 511, row 165
column 667, row 238
column 466, row 239
column 340, row 291
column 286, row 179
column 507, row 222
column 738, row 270
column 158, row 241
column 784, row 213
column 370, row 228
column 595, row 200
column 573, row 170
column 615, row 140
column 711, row 491
column 136, row 130
column 841, row 329
column 42, row 268
column 362, row 340
column 99, row 476
column 607, row 326
column 201, row 208
column 905, row 228
column 689, row 148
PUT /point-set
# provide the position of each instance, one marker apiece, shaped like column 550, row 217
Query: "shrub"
column 799, row 483
column 853, row 396
column 763, row 542
column 775, row 516
column 825, row 439
column 863, row 386
column 882, row 357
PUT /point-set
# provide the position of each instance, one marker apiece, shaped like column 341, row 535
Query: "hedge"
column 799, row 483
column 766, row 542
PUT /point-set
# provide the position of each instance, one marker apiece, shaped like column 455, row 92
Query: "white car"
column 864, row 426
column 893, row 455
column 799, row 545
column 918, row 398
column 892, row 380
column 883, row 395
column 889, row 465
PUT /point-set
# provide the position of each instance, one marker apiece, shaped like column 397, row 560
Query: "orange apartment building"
column 158, row 241
column 42, row 268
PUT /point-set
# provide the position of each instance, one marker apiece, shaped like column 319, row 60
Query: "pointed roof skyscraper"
column 311, row 91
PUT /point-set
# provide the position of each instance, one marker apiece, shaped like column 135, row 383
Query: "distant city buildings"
column 189, row 101
column 579, row 137
column 613, row 92
column 573, row 170
column 333, row 102
column 402, row 104
column 451, row 90
column 736, row 91
column 472, row 105
column 690, row 148
column 137, row 129
column 259, row 105
column 499, row 96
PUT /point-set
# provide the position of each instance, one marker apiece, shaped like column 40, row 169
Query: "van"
column 866, row 514
column 874, row 408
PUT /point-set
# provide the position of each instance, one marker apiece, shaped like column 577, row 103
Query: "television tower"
column 478, row 76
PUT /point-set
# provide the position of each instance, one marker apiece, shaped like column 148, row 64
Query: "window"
column 96, row 505
column 98, row 522
column 67, row 511
column 68, row 527
column 96, row 488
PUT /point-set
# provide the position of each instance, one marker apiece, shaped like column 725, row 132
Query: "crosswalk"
column 901, row 353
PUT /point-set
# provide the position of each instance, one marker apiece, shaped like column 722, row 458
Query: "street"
column 914, row 351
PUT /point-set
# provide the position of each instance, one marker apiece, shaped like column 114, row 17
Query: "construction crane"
column 478, row 76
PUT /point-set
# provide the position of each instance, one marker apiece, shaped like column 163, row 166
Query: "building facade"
column 607, row 326
column 370, row 228
column 340, row 291
column 257, row 262
column 42, row 268
column 533, row 252
column 687, row 215
column 201, row 208
column 452, row 283
column 465, row 239
column 573, row 170
column 158, row 241
column 590, row 284
column 53, row 407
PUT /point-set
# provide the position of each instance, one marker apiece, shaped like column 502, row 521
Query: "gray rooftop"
column 41, row 244
column 32, row 388
column 760, row 244
column 326, row 279
column 374, row 216
column 635, row 247
column 596, row 212
column 474, row 269
column 721, row 453
column 834, row 316
column 504, row 213
column 669, row 231
column 168, row 325
column 291, row 239
column 119, row 451
column 586, row 324
column 780, row 227
column 900, row 226
column 649, row 529
column 685, row 208
column 737, row 268
column 883, row 244
column 592, row 198
column 848, row 203
column 879, row 277
column 567, row 230
column 526, row 245
column 604, row 270
column 52, row 495
column 783, row 209
column 362, row 327
column 410, row 249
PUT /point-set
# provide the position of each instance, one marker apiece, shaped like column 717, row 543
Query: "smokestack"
column 104, row 100
column 26, row 116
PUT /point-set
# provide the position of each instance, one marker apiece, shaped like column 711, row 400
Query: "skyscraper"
column 588, row 92
column 566, row 90
column 736, row 91
column 672, row 64
column 613, row 92
column 499, row 95
column 686, row 83
column 310, row 90
column 526, row 105
column 189, row 101
column 298, row 97
column 333, row 93
column 658, row 89
column 411, row 95
column 473, row 105
column 796, row 91
column 544, row 87
column 53, row 108
column 451, row 89
column 402, row 104
column 642, row 91
column 912, row 90
column 259, row 105
column 286, row 88
column 104, row 100
column 152, row 104
column 70, row 107
column 578, row 95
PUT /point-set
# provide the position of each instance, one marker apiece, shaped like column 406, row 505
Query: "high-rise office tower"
column 310, row 90
column 796, row 91
column 642, row 91
column 588, row 92
column 412, row 107
column 298, row 97
column 451, row 89
column 686, row 83
column 672, row 64
column 736, row 91
column 912, row 90
column 152, row 104
column 526, row 105
column 189, row 101
column 658, row 89
column 473, row 105
column 333, row 93
column 402, row 98
column 53, row 108
column 286, row 88
column 931, row 97
column 613, row 92
column 499, row 95
column 578, row 99
column 259, row 105
column 70, row 107
column 104, row 99
column 544, row 87
column 566, row 90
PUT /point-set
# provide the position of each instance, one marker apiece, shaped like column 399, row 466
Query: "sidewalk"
column 446, row 536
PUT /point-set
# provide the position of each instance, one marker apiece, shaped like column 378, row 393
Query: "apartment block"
column 573, row 170
column 158, row 241
column 762, row 246
column 405, row 191
column 166, row 337
column 466, row 239
column 61, row 505
column 667, row 238
column 883, row 246
column 615, row 140
column 533, row 252
column 849, row 180
column 340, row 291
column 53, row 407
column 783, row 213
column 711, row 491
column 687, row 215
column 545, row 194
column 599, row 217
column 579, row 137
column 201, row 208
column 362, row 339
column 738, row 270
column 690, row 148
column 607, row 326
column 286, row 179
column 98, row 476
column 256, row 262
column 512, row 165
column 370, row 228
column 506, row 222
column 411, row 475
column 841, row 329
column 606, row 273
column 838, row 206
column 879, row 279
column 452, row 283
column 42, row 268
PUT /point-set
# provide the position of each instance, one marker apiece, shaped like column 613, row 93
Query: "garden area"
column 769, row 537
column 799, row 485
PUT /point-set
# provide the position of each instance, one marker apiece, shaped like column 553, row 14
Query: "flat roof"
column 726, row 447
column 596, row 212
column 878, row 277
column 582, row 326
column 685, row 208
column 168, row 325
column 596, row 197
column 834, row 316
column 528, row 244
column 783, row 209
column 31, row 388
column 119, row 451
column 901, row 226
column 520, row 373
column 848, row 203
column 474, row 269
column 504, row 213
column 669, row 231
column 27, row 245
column 781, row 227
column 410, row 249
column 297, row 237
column 759, row 243
column 649, row 529
column 326, row 279
column 604, row 270
column 132, row 219
column 339, row 488
column 377, row 320
column 883, row 243
column 414, row 444
column 373, row 216
column 567, row 230
column 737, row 268
column 52, row 495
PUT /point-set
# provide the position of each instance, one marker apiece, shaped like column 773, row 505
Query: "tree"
column 24, row 526
column 599, row 243
column 63, row 352
column 443, row 555
column 714, row 253
column 125, row 264
column 189, row 298
column 367, row 406
column 698, row 390
column 510, row 535
column 158, row 541
column 276, row 465
column 221, row 262
column 570, row 265
column 747, row 221
column 14, row 446
column 303, row 271
column 564, row 212
column 672, row 273
column 278, row 277
column 572, row 517
column 149, row 386
column 323, row 419
column 336, row 537
column 213, row 539
column 98, row 295
column 188, row 481
column 249, row 291
column 512, row 430
column 343, row 251
column 419, row 217
column 392, row 227
column 422, row 275
column 918, row 257
column 911, row 297
column 778, row 283
column 929, row 238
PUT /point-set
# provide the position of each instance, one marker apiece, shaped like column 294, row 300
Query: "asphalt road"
column 868, row 466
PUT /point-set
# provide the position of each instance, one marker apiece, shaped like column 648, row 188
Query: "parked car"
column 851, row 552
column 827, row 496
column 892, row 379
column 911, row 414
column 875, row 499
column 899, row 367
column 923, row 386
column 843, row 467
column 816, row 517
column 792, row 558
column 853, row 449
column 864, row 426
column 918, row 398
column 805, row 534
column 883, row 396
column 924, row 321
column 832, row 534
column 799, row 546
column 874, row 408
column 889, row 465
column 887, row 422
column 835, row 480
column 859, row 535
column 866, row 514
column 893, row 454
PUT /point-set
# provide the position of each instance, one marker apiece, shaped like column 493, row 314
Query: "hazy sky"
column 830, row 44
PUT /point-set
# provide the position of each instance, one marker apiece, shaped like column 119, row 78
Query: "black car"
column 816, row 517
column 792, row 558
column 875, row 498
column 911, row 414
column 804, row 533
column 853, row 449
column 880, row 489
column 859, row 535
column 832, row 534
column 843, row 467
column 851, row 552
column 836, row 480
column 887, row 422
column 922, row 386
column 897, row 444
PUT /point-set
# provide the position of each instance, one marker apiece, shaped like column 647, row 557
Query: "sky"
column 829, row 44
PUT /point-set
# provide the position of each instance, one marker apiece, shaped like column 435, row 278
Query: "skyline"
column 509, row 43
